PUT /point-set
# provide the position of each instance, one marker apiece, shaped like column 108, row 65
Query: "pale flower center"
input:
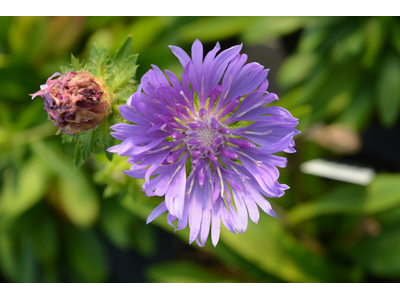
column 205, row 135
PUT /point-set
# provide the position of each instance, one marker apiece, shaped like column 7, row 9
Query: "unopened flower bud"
column 76, row 101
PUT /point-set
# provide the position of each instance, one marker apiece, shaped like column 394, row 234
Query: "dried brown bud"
column 76, row 101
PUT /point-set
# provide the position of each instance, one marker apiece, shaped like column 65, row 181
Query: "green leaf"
column 78, row 201
column 75, row 64
column 273, row 249
column 85, row 144
column 98, row 62
column 211, row 29
column 29, row 188
column 66, row 138
column 382, row 194
column 144, row 239
column 266, row 28
column 375, row 36
column 380, row 255
column 91, row 141
column 118, row 72
column 124, row 52
column 357, row 112
column 296, row 68
column 184, row 272
column 45, row 240
column 86, row 255
column 291, row 263
column 8, row 256
column 117, row 223
column 77, row 196
column 123, row 68
column 16, row 258
column 395, row 35
column 388, row 91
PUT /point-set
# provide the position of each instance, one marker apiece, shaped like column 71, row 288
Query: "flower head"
column 75, row 101
column 207, row 144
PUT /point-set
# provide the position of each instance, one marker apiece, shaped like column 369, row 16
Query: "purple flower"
column 207, row 144
column 75, row 101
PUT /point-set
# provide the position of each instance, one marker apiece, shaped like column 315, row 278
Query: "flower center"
column 204, row 136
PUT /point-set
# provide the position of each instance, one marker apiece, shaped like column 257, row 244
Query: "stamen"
column 191, row 186
column 184, row 97
column 176, row 171
column 229, row 108
column 177, row 135
column 202, row 112
column 214, row 123
column 241, row 143
column 237, row 172
column 221, row 182
column 196, row 153
column 218, row 140
column 251, row 108
column 257, row 162
column 194, row 142
column 212, row 157
column 155, row 151
column 229, row 87
column 229, row 154
column 194, row 126
column 224, row 131
column 202, row 85
column 258, row 133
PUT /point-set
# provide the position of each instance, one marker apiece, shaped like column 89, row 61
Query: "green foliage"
column 86, row 256
column 117, row 71
column 379, row 255
column 388, row 90
column 77, row 196
column 60, row 212
column 184, row 272
column 382, row 194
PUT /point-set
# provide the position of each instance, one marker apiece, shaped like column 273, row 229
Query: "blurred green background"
column 339, row 75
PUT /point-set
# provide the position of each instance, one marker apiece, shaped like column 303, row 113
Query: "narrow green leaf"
column 284, row 256
column 66, row 138
column 45, row 240
column 8, row 256
column 380, row 255
column 211, row 29
column 382, row 194
column 388, row 91
column 79, row 202
column 184, row 272
column 375, row 35
column 30, row 187
column 86, row 255
column 291, row 263
column 78, row 198
column 65, row 69
column 395, row 35
column 85, row 144
column 357, row 112
column 75, row 64
column 117, row 223
column 123, row 68
column 145, row 239
column 267, row 28
column 97, row 61
column 124, row 52
column 296, row 68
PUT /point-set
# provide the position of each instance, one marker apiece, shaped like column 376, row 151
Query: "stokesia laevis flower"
column 75, row 101
column 207, row 144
